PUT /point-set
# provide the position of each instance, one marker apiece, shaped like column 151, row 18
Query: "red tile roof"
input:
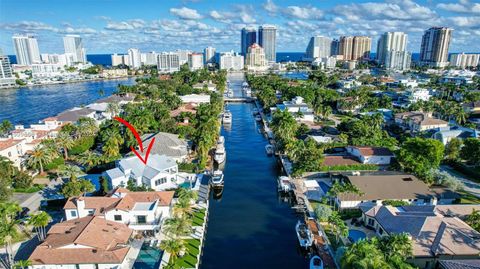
column 5, row 144
column 374, row 151
column 339, row 160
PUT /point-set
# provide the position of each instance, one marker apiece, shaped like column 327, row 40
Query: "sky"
column 113, row 26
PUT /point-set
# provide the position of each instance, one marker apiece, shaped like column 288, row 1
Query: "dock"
column 238, row 99
column 321, row 245
column 204, row 189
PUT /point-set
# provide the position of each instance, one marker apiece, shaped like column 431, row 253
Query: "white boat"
column 221, row 141
column 284, row 184
column 269, row 149
column 244, row 84
column 217, row 178
column 230, row 93
column 220, row 154
column 305, row 237
column 258, row 118
column 316, row 262
column 227, row 117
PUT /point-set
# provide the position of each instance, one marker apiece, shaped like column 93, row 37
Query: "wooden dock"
column 321, row 245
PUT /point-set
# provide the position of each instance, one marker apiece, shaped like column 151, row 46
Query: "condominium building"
column 434, row 49
column 256, row 57
column 67, row 59
column 463, row 60
column 134, row 58
column 334, row 50
column 195, row 61
column 267, row 38
column 168, row 62
column 26, row 49
column 73, row 44
column 398, row 60
column 319, row 47
column 231, row 61
column 355, row 47
column 248, row 37
column 183, row 56
column 7, row 79
column 117, row 60
column 209, row 55
column 149, row 58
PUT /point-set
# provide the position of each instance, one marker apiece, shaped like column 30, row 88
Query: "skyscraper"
column 168, row 62
column 335, row 47
column 195, row 61
column 267, row 37
column 464, row 60
column 26, row 49
column 345, row 47
column 248, row 36
column 256, row 57
column 391, row 51
column 134, row 58
column 319, row 47
column 7, row 79
column 434, row 49
column 356, row 48
column 209, row 55
column 73, row 44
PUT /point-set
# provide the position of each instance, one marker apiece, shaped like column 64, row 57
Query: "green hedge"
column 349, row 167
column 54, row 164
column 82, row 144
column 187, row 167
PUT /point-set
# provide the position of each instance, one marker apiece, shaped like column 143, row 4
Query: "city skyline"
column 107, row 28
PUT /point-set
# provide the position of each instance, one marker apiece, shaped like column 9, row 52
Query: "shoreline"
column 69, row 82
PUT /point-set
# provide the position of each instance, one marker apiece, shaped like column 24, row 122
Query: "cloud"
column 26, row 26
column 186, row 13
column 125, row 25
column 303, row 12
column 270, row 6
column 81, row 30
column 463, row 6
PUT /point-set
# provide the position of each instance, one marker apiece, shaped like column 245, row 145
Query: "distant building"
column 26, row 49
column 334, row 48
column 434, row 49
column 7, row 79
column 183, row 56
column 73, row 44
column 391, row 51
column 325, row 62
column 256, row 58
column 248, row 38
column 195, row 61
column 267, row 39
column 209, row 55
column 319, row 47
column 149, row 58
column 418, row 121
column 117, row 60
column 231, row 61
column 67, row 59
column 298, row 108
column 463, row 60
column 355, row 47
column 168, row 62
column 134, row 58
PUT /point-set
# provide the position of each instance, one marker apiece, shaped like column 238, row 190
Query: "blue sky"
column 109, row 26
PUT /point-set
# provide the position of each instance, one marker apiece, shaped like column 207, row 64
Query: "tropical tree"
column 174, row 246
column 113, row 109
column 113, row 141
column 474, row 220
column 177, row 226
column 65, row 142
column 323, row 212
column 23, row 264
column 183, row 207
column 364, row 254
column 452, row 149
column 5, row 127
column 187, row 194
column 86, row 127
column 39, row 222
column 471, row 150
column 40, row 156
column 8, row 230
column 89, row 158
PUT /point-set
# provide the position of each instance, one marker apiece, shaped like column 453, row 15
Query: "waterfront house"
column 417, row 94
column 298, row 108
column 88, row 242
column 212, row 87
column 444, row 135
column 418, row 121
column 74, row 114
column 141, row 211
column 376, row 188
column 13, row 149
column 437, row 232
column 167, row 144
column 371, row 155
column 195, row 98
column 160, row 172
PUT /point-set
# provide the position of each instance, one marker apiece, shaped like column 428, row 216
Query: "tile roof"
column 5, row 144
column 74, row 115
column 97, row 203
column 339, row 160
column 105, row 242
column 460, row 264
column 374, row 151
column 128, row 202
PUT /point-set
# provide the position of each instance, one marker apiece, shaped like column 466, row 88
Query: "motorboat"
column 227, row 117
column 221, row 141
column 244, row 84
column 217, row 178
column 284, row 184
column 258, row 118
column 269, row 149
column 220, row 154
column 316, row 262
column 230, row 93
column 254, row 111
column 305, row 237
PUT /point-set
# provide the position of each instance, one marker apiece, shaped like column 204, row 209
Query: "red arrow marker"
column 139, row 140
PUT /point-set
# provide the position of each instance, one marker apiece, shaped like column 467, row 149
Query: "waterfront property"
column 371, row 155
column 141, row 211
column 88, row 242
column 437, row 232
column 160, row 172
column 298, row 108
column 167, row 144
column 418, row 121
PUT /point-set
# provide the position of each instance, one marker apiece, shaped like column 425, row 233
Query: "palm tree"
column 363, row 254
column 8, row 230
column 5, row 126
column 113, row 140
column 39, row 221
column 177, row 226
column 113, row 109
column 65, row 142
column 186, row 194
column 23, row 264
column 40, row 156
column 86, row 127
column 182, row 207
column 174, row 246
column 70, row 171
column 89, row 158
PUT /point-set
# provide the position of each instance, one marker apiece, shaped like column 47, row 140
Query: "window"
column 73, row 213
column 370, row 222
column 90, row 212
column 380, row 231
column 160, row 181
column 9, row 154
column 141, row 219
column 117, row 217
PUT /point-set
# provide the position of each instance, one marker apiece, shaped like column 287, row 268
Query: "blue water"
column 355, row 235
column 28, row 105
column 249, row 227
column 324, row 187
column 148, row 258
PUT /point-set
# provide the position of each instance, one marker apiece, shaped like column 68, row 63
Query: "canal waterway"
column 27, row 105
column 250, row 226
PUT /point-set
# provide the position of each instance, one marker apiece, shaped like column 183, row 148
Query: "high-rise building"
column 256, row 57
column 168, row 62
column 117, row 60
column 434, row 49
column 267, row 39
column 7, row 79
column 134, row 58
column 391, row 51
column 248, row 37
column 463, row 60
column 73, row 44
column 319, row 47
column 195, row 61
column 356, row 48
column 209, row 55
column 183, row 56
column 231, row 61
column 334, row 48
column 66, row 59
column 26, row 49
column 149, row 58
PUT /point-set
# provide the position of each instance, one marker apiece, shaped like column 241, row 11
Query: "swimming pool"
column 324, row 186
column 355, row 235
column 148, row 258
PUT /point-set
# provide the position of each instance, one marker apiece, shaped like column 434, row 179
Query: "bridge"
column 238, row 99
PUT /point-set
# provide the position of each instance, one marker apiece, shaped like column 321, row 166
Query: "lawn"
column 331, row 237
column 468, row 198
column 198, row 217
column 189, row 260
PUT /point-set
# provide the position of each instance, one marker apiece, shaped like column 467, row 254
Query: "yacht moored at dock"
column 304, row 235
column 220, row 154
column 217, row 178
column 269, row 149
column 227, row 117
column 284, row 184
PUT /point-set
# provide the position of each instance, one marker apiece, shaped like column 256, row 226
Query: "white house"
column 160, row 172
column 195, row 98
column 87, row 243
column 212, row 87
column 371, row 155
column 141, row 211
column 298, row 108
column 418, row 94
column 12, row 149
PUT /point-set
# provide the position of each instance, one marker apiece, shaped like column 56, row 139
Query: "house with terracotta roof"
column 141, row 211
column 88, row 242
column 371, row 155
column 418, row 121
column 12, row 149
column 437, row 235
